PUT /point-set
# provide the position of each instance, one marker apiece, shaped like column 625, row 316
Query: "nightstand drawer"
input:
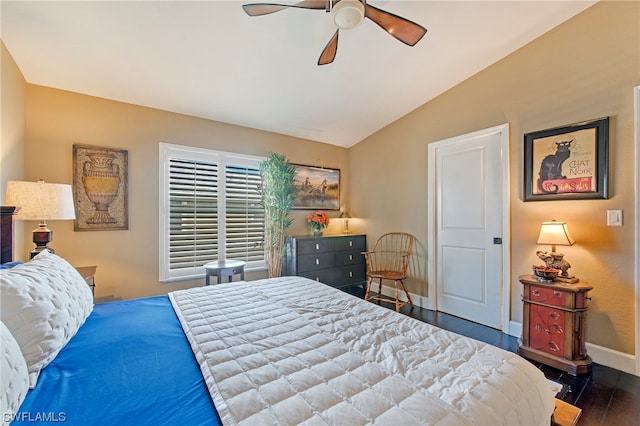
column 548, row 296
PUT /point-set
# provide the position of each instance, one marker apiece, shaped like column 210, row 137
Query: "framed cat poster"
column 567, row 163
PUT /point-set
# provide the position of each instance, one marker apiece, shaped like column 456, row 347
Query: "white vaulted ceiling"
column 209, row 59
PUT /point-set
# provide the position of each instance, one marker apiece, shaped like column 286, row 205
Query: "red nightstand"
column 554, row 325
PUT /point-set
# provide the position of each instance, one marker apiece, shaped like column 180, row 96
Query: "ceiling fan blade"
column 258, row 9
column 404, row 30
column 329, row 53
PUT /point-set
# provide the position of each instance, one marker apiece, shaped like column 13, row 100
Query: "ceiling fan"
column 347, row 14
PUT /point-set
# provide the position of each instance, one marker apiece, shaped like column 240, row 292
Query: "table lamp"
column 556, row 233
column 345, row 223
column 41, row 201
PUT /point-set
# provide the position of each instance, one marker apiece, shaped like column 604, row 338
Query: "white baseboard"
column 514, row 329
column 614, row 359
column 599, row 354
column 418, row 300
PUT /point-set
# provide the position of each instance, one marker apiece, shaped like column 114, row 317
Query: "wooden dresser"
column 554, row 324
column 335, row 260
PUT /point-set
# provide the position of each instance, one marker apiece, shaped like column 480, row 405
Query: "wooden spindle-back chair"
column 389, row 260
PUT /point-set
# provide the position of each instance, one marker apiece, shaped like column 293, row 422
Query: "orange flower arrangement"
column 318, row 220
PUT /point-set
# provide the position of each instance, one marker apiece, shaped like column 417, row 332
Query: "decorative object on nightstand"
column 554, row 233
column 554, row 324
column 345, row 216
column 88, row 273
column 41, row 201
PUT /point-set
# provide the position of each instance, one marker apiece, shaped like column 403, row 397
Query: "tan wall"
column 12, row 115
column 128, row 260
column 584, row 69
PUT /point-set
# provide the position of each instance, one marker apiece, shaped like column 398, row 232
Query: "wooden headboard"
column 7, row 233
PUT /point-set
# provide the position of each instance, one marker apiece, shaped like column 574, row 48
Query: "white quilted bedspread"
column 293, row 351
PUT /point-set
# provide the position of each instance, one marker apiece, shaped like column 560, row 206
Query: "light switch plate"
column 614, row 217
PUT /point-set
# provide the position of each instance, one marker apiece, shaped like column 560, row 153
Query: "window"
column 209, row 210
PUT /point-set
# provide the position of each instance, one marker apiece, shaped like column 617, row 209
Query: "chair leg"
column 407, row 293
column 369, row 283
column 397, row 300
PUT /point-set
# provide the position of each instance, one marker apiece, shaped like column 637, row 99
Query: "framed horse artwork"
column 317, row 188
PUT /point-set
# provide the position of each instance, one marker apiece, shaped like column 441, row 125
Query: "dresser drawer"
column 356, row 242
column 312, row 262
column 321, row 275
column 315, row 245
column 352, row 257
column 348, row 275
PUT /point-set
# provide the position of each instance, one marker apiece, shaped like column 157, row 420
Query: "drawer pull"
column 317, row 246
column 317, row 261
column 318, row 279
column 350, row 257
column 350, row 274
column 350, row 243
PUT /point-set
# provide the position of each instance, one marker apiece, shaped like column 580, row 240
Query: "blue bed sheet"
column 129, row 364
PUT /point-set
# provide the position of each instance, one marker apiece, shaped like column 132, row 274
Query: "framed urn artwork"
column 567, row 163
column 100, row 188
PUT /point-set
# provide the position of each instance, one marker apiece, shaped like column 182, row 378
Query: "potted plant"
column 278, row 194
column 318, row 221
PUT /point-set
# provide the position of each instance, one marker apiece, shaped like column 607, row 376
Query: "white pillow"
column 14, row 378
column 44, row 302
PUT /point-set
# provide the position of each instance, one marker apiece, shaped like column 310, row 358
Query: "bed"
column 273, row 351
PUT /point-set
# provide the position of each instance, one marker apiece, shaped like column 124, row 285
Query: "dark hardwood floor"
column 606, row 396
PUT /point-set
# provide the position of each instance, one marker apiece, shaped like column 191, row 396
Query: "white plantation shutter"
column 244, row 216
column 193, row 213
column 209, row 210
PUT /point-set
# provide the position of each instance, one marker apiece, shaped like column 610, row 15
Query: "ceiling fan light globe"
column 348, row 14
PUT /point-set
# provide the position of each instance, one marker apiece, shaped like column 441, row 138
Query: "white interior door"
column 467, row 209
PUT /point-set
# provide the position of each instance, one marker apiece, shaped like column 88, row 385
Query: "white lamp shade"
column 41, row 201
column 555, row 233
column 348, row 14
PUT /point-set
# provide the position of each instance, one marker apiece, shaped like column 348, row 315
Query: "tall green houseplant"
column 278, row 194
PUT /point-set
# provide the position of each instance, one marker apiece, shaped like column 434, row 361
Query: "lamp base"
column 42, row 236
